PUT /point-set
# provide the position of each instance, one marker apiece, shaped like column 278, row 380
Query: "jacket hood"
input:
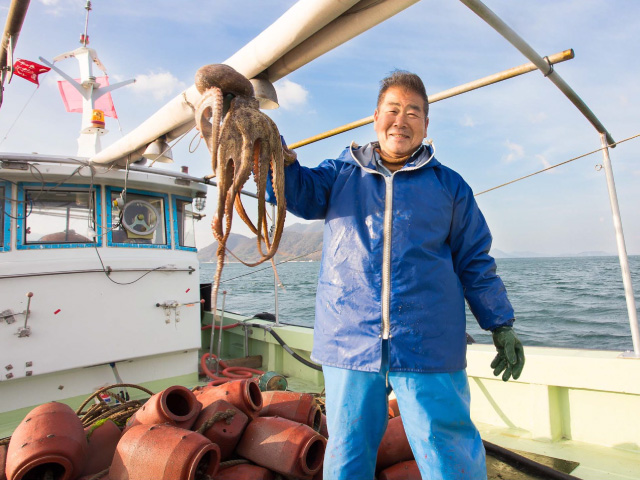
column 364, row 156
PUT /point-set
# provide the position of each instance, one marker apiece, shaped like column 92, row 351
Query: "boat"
column 78, row 313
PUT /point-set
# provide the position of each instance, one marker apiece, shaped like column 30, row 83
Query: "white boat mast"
column 89, row 89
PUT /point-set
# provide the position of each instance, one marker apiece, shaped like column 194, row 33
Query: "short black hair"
column 407, row 80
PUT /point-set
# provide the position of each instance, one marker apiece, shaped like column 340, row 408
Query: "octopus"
column 242, row 141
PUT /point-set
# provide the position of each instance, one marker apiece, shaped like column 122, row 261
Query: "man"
column 404, row 245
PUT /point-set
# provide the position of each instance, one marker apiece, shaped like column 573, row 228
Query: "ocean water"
column 573, row 302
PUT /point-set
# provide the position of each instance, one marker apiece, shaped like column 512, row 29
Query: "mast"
column 92, row 126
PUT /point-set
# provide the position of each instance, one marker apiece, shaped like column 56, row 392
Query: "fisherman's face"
column 400, row 123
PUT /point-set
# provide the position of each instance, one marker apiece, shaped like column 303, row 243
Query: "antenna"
column 84, row 38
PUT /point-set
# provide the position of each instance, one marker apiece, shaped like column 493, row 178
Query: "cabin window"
column 186, row 224
column 56, row 216
column 4, row 220
column 137, row 219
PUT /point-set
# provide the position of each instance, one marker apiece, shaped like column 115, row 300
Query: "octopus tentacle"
column 245, row 141
column 208, row 117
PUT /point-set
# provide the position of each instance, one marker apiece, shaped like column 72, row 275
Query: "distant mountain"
column 301, row 241
column 497, row 253
column 208, row 253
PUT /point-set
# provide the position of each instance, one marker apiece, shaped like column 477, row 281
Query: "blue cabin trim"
column 6, row 216
column 176, row 227
column 164, row 196
column 21, row 216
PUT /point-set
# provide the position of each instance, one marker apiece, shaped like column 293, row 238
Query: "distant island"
column 303, row 241
column 300, row 241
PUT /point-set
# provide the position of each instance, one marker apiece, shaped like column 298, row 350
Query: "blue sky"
column 490, row 136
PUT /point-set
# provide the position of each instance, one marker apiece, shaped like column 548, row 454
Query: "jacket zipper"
column 386, row 256
column 386, row 246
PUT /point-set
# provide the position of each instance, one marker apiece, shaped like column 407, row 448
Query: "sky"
column 490, row 136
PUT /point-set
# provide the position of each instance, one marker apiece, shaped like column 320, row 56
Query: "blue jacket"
column 400, row 255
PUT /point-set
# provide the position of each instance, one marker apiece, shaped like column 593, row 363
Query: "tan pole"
column 452, row 92
column 495, row 22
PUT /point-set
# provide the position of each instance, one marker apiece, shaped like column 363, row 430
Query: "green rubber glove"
column 510, row 357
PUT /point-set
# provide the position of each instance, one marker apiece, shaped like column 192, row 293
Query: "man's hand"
column 289, row 155
column 510, row 357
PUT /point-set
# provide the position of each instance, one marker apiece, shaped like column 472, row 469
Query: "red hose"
column 229, row 372
column 226, row 327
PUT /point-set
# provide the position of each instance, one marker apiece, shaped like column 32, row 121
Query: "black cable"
column 268, row 328
column 525, row 464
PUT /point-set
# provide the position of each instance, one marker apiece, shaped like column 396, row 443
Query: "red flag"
column 73, row 100
column 29, row 70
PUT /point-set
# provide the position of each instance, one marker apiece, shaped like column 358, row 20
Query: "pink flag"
column 29, row 70
column 73, row 100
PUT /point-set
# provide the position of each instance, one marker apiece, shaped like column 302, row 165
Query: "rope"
column 115, row 413
column 19, row 115
column 115, row 385
column 267, row 268
column 226, row 415
column 558, row 164
column 100, row 475
column 232, row 463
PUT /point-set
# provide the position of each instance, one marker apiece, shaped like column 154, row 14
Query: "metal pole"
column 451, row 92
column 275, row 277
column 622, row 249
column 224, row 296
column 545, row 67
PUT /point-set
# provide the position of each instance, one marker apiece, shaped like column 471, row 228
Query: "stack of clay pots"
column 178, row 434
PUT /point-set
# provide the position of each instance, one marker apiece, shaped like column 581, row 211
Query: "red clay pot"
column 102, row 440
column 176, row 406
column 245, row 472
column 3, row 461
column 394, row 447
column 225, row 434
column 323, row 427
column 51, row 438
column 401, row 471
column 243, row 394
column 295, row 406
column 394, row 411
column 163, row 452
column 286, row 447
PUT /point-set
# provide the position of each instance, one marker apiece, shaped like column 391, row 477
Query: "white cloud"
column 160, row 85
column 291, row 95
column 467, row 121
column 515, row 152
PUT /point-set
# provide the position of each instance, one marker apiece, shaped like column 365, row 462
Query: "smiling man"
column 404, row 246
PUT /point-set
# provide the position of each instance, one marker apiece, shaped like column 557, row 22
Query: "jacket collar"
column 365, row 157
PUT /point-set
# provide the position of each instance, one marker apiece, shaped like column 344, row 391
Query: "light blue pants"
column 435, row 413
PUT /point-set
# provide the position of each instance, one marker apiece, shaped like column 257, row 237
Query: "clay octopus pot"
column 176, row 406
column 102, row 440
column 290, row 448
column 245, row 472
column 401, row 471
column 243, row 394
column 394, row 447
column 163, row 452
column 295, row 406
column 49, row 439
column 224, row 433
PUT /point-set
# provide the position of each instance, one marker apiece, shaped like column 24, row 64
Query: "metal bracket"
column 629, row 354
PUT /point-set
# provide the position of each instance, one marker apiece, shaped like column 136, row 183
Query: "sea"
column 567, row 302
